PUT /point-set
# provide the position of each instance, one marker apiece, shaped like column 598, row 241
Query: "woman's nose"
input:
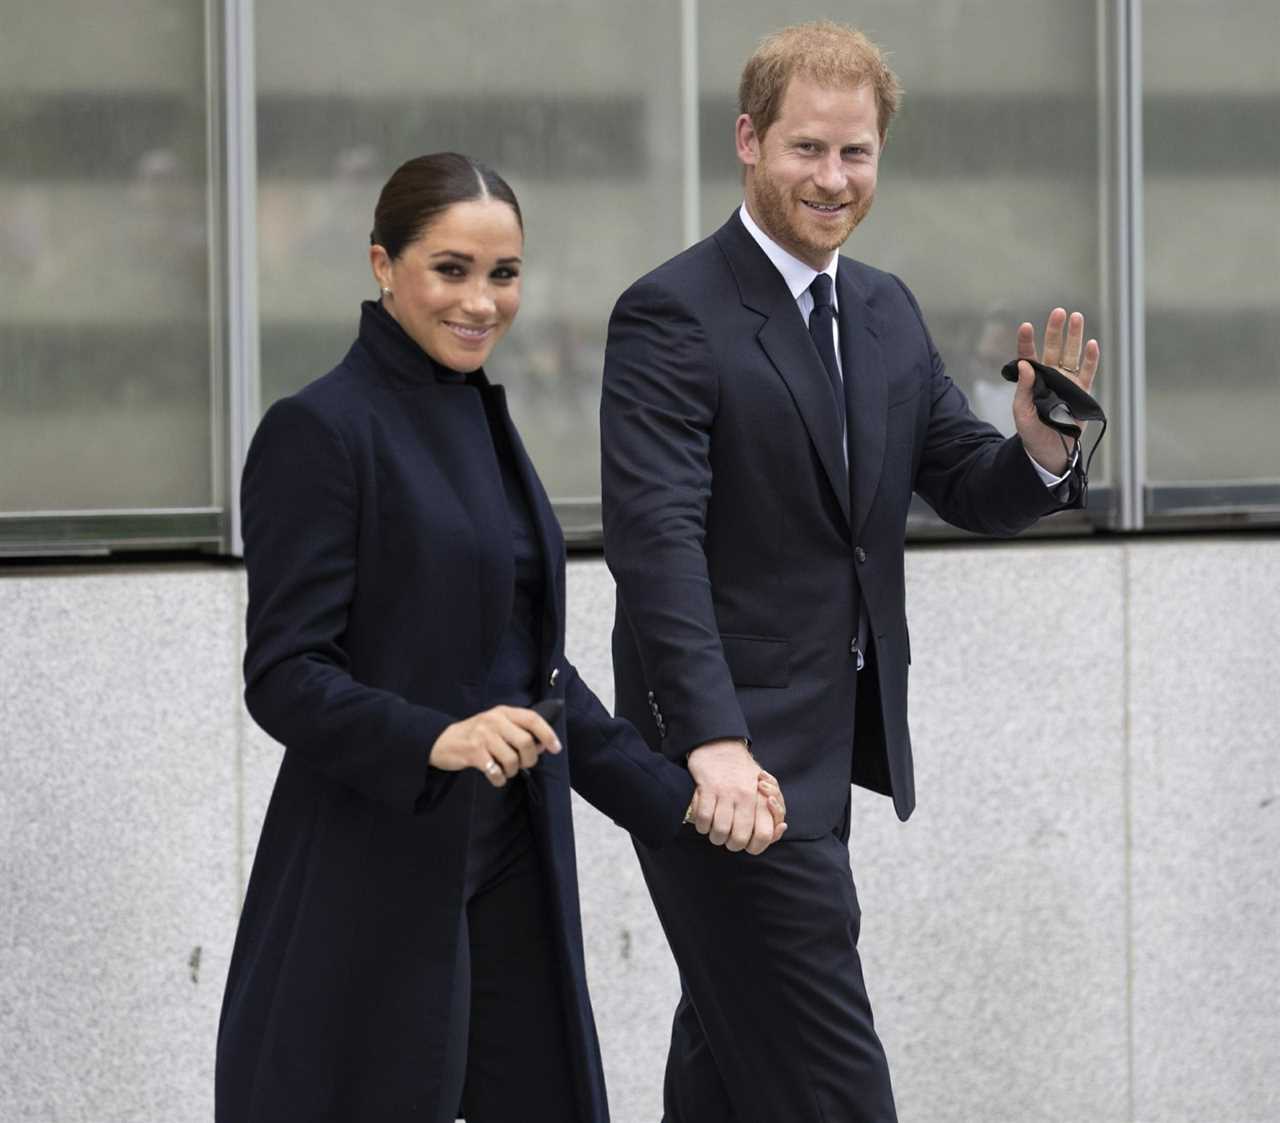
column 478, row 300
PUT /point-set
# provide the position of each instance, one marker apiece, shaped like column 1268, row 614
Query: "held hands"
column 1071, row 355
column 498, row 742
column 738, row 804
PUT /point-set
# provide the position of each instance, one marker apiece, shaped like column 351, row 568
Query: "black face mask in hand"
column 1061, row 404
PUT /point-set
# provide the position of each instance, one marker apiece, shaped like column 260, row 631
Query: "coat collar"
column 399, row 359
column 785, row 339
column 469, row 455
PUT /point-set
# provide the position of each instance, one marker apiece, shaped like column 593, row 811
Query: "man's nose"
column 830, row 175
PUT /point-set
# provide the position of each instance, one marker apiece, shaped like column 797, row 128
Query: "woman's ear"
column 380, row 263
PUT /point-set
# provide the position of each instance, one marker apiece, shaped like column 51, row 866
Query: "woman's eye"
column 449, row 269
column 505, row 273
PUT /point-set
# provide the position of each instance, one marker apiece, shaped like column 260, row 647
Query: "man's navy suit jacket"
column 740, row 543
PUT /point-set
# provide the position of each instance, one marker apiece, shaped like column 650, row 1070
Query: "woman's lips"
column 469, row 333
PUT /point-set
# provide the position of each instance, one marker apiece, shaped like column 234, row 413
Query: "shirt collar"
column 797, row 275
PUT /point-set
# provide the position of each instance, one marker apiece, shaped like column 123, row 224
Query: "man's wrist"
column 1049, row 478
column 722, row 742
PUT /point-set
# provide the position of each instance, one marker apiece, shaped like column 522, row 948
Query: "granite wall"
column 1080, row 924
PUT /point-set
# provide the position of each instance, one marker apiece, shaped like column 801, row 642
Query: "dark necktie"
column 821, row 320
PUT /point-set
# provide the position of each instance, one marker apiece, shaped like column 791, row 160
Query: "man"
column 768, row 410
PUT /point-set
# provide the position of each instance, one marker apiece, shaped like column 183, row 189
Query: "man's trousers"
column 773, row 1023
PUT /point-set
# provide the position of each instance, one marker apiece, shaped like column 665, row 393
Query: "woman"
column 410, row 945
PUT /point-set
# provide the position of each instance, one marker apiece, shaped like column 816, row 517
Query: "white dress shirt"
column 799, row 276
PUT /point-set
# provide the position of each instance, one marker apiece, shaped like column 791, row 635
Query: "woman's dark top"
column 499, row 821
column 513, row 681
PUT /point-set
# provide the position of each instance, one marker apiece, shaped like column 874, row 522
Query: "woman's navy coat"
column 379, row 554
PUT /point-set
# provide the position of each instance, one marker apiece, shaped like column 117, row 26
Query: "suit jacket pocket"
column 757, row 660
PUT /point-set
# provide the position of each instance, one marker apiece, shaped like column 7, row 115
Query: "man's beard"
column 782, row 214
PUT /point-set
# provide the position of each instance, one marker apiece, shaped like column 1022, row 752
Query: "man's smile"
column 825, row 208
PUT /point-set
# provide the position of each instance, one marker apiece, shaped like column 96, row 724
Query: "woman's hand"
column 771, row 791
column 498, row 742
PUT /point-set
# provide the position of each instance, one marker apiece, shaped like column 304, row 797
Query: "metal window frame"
column 101, row 531
column 241, row 250
column 1164, row 504
column 1128, row 263
column 1129, row 501
column 231, row 214
column 691, row 140
column 92, row 533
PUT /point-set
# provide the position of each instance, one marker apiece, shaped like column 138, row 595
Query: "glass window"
column 105, row 333
column 996, row 192
column 1211, row 90
column 562, row 98
column 989, row 197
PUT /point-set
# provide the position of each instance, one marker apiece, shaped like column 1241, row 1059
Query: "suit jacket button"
column 860, row 554
column 555, row 676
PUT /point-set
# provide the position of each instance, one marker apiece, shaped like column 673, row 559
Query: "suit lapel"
column 784, row 336
column 866, row 393
column 786, row 341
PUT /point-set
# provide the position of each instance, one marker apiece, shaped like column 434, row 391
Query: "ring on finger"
column 1069, row 370
column 490, row 768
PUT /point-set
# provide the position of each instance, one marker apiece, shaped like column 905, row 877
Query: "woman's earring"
column 386, row 291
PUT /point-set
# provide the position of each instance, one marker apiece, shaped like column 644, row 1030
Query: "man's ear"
column 747, row 141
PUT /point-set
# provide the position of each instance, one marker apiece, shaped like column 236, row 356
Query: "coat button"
column 860, row 554
column 555, row 676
